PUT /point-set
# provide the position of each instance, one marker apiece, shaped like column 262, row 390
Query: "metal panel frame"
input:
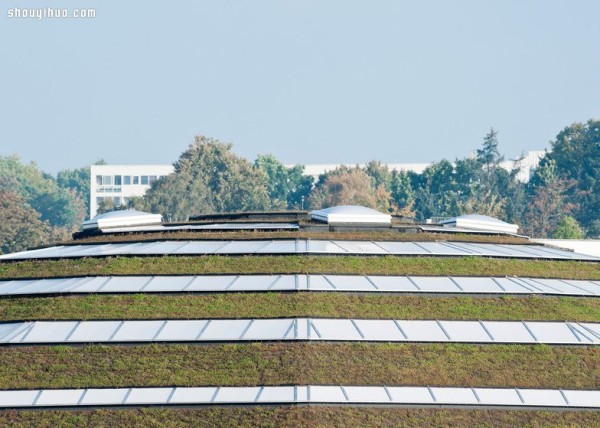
column 299, row 329
column 338, row 283
column 305, row 394
column 301, row 246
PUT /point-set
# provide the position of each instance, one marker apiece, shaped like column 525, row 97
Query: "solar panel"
column 301, row 246
column 286, row 329
column 305, row 394
column 337, row 283
column 202, row 227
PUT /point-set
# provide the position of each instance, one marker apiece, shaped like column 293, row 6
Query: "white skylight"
column 351, row 214
column 480, row 222
column 121, row 218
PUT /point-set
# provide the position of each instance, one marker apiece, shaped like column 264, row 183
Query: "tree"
column 593, row 231
column 60, row 207
column 490, row 181
column 489, row 156
column 515, row 195
column 380, row 175
column 286, row 186
column 20, row 225
column 208, row 178
column 487, row 203
column 547, row 201
column 403, row 194
column 568, row 228
column 348, row 186
column 78, row 180
column 436, row 193
column 576, row 153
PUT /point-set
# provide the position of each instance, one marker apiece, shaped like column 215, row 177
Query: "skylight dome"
column 121, row 218
column 352, row 214
column 480, row 222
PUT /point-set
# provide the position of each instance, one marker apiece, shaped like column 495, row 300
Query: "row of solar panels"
column 299, row 329
column 205, row 227
column 300, row 246
column 339, row 283
column 317, row 394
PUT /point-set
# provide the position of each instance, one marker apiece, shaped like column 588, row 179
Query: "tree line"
column 562, row 198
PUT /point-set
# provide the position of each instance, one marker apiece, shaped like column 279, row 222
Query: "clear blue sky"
column 309, row 81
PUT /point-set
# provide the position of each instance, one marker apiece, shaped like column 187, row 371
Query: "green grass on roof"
column 386, row 265
column 302, row 304
column 526, row 366
column 293, row 417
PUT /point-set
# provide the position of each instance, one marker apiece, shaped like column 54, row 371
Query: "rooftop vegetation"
column 526, row 366
column 298, row 304
column 385, row 265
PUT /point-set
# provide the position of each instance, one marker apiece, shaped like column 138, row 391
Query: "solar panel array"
column 300, row 246
column 338, row 283
column 315, row 394
column 203, row 227
column 299, row 329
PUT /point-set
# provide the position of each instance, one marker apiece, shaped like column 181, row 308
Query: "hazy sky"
column 309, row 81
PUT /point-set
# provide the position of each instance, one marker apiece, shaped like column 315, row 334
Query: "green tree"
column 490, row 181
column 380, row 175
column 286, row 186
column 403, row 194
column 208, row 178
column 20, row 225
column 60, row 207
column 576, row 153
column 489, row 155
column 547, row 200
column 568, row 228
column 436, row 191
column 78, row 180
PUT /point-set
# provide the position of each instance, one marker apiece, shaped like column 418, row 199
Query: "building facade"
column 119, row 183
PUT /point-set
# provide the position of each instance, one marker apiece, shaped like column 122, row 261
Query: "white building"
column 119, row 183
column 529, row 162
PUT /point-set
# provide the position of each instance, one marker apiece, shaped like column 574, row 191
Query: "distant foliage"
column 547, row 202
column 20, row 225
column 576, row 153
column 568, row 228
column 78, row 181
column 209, row 178
column 349, row 186
column 287, row 186
column 34, row 209
column 61, row 207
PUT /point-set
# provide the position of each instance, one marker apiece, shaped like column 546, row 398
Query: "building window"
column 136, row 179
column 99, row 180
column 117, row 200
column 117, row 180
column 152, row 179
column 107, row 180
column 144, row 180
column 127, row 179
